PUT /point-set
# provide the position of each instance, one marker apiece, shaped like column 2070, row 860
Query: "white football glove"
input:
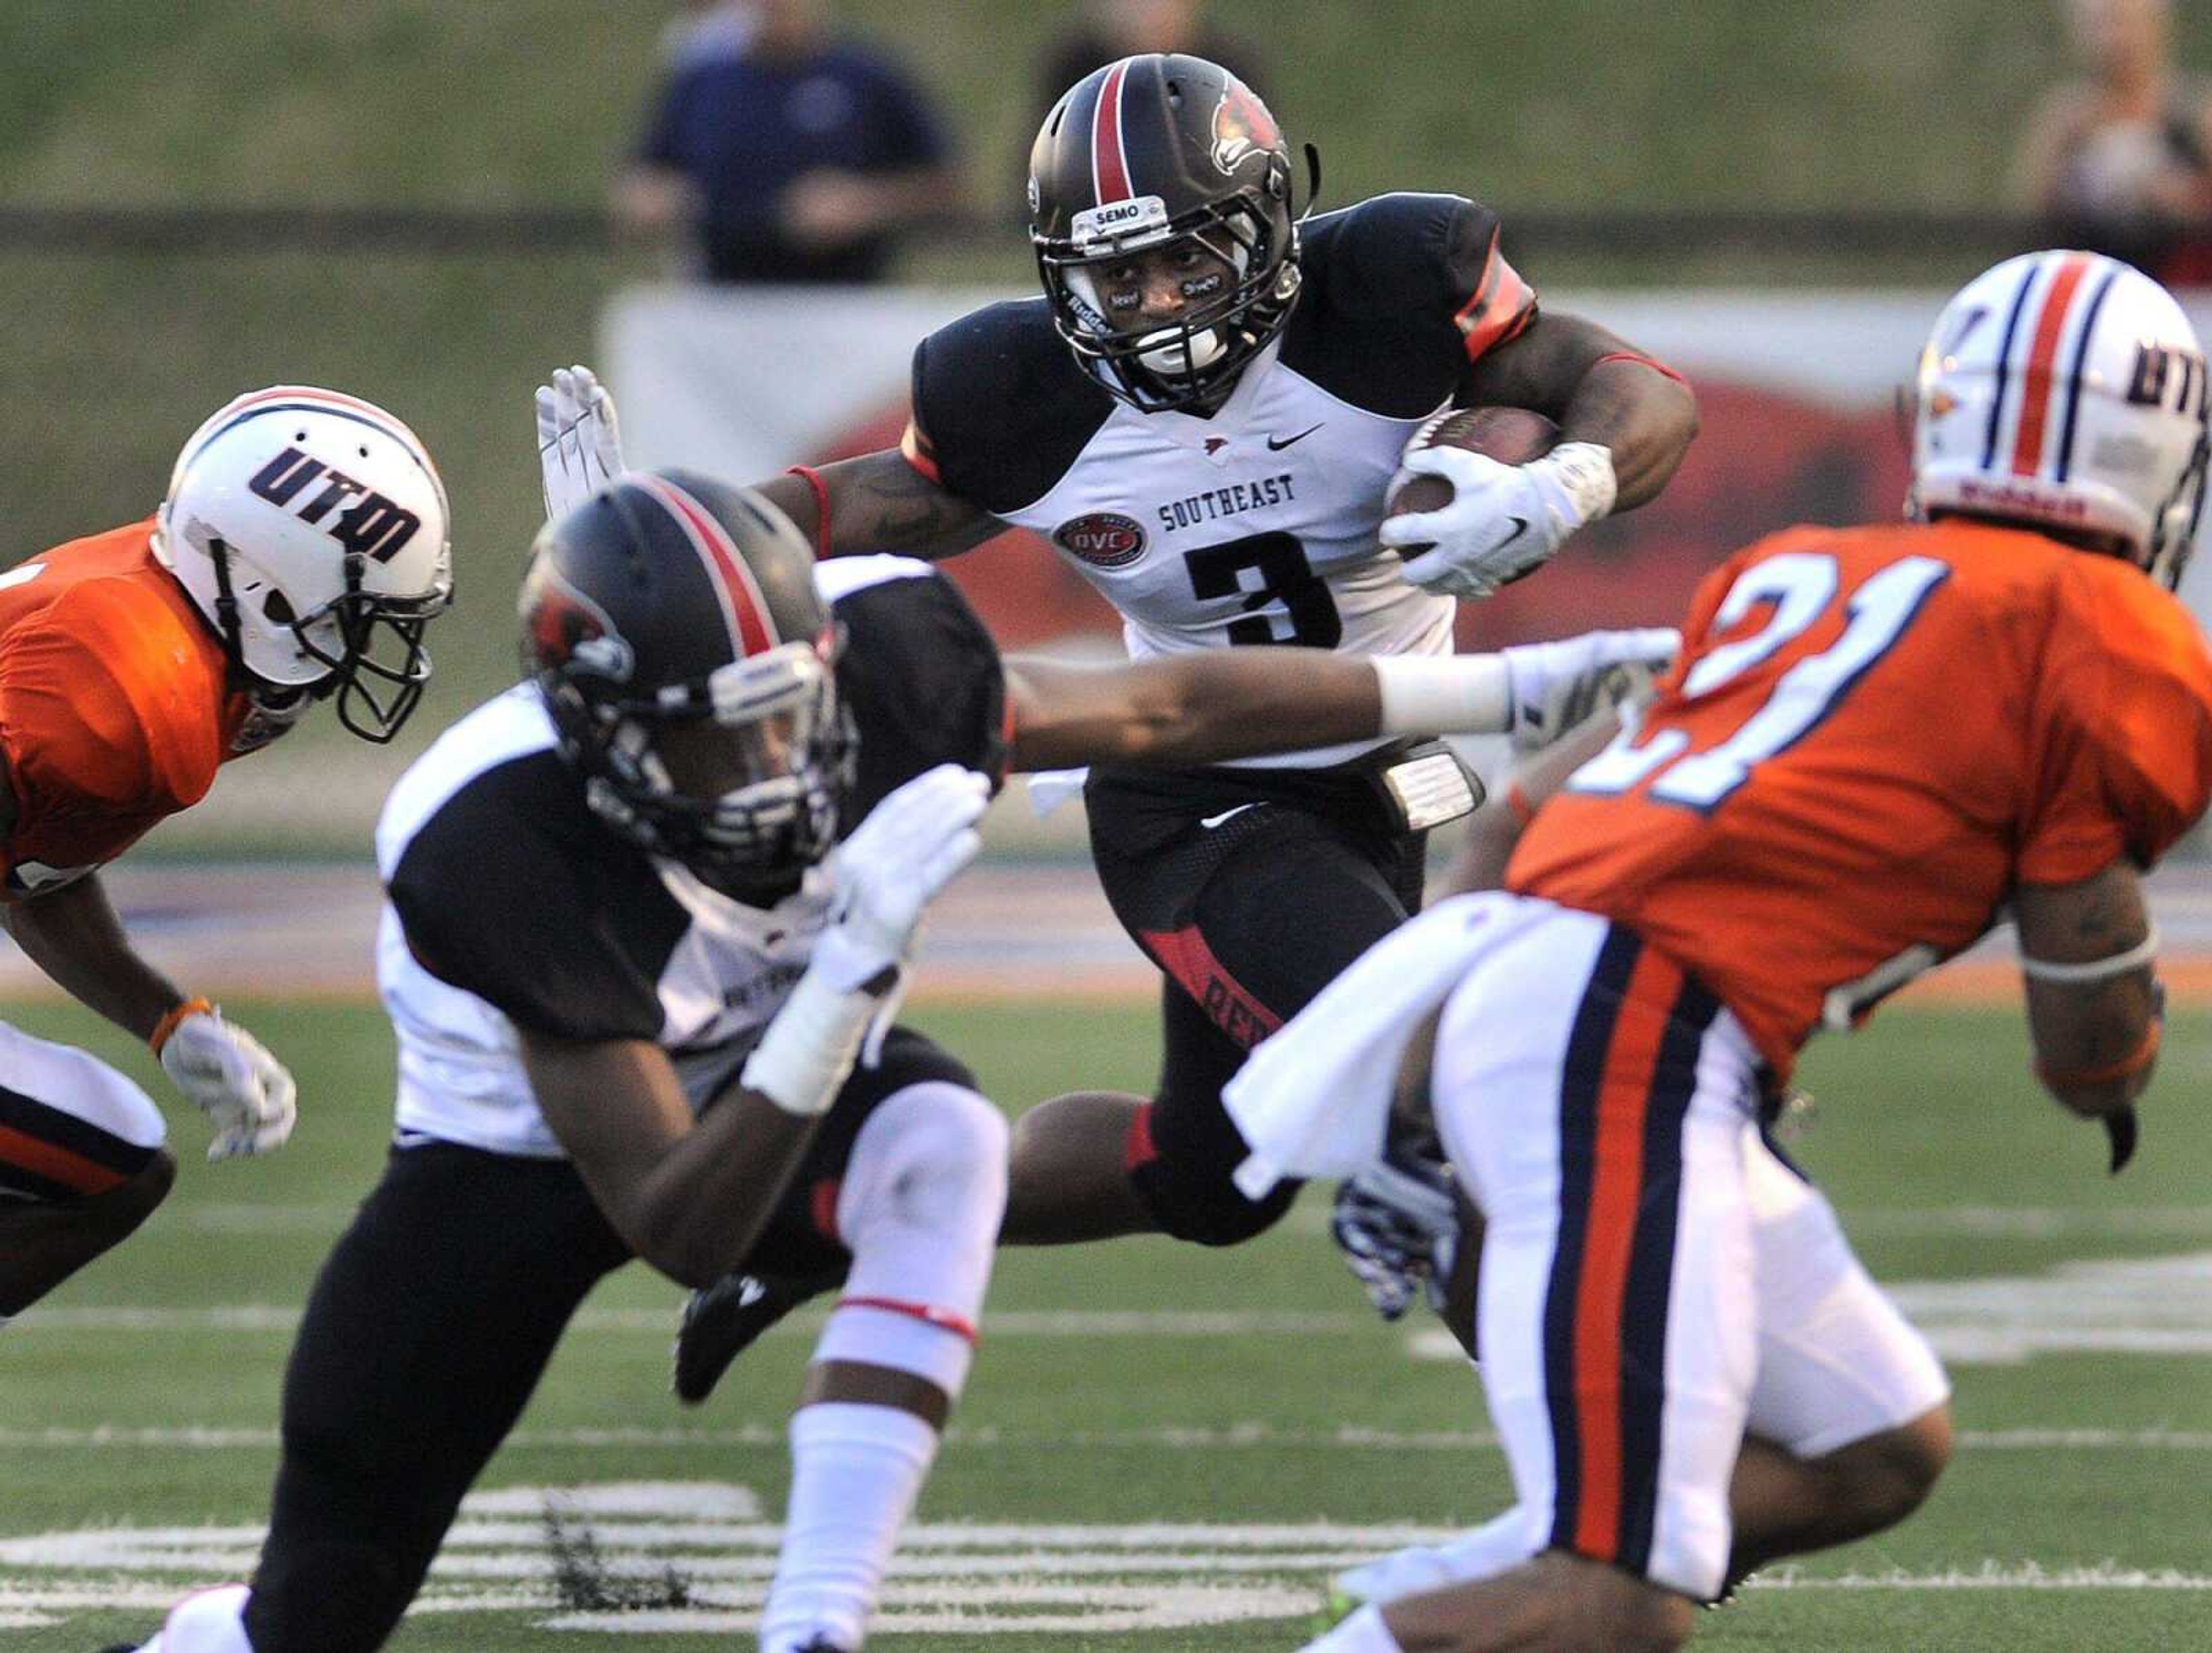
column 896, row 863
column 1397, row 1223
column 579, row 441
column 1556, row 685
column 1503, row 519
column 229, row 1075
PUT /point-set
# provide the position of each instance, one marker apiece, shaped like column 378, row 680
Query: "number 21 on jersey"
column 1801, row 586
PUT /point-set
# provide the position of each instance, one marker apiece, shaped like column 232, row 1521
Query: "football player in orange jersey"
column 299, row 554
column 1877, row 742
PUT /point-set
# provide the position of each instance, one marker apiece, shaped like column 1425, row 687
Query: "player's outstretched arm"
column 1208, row 709
column 2087, row 953
column 876, row 502
column 692, row 1198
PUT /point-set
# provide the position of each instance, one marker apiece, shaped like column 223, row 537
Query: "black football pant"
column 1249, row 919
column 427, row 1330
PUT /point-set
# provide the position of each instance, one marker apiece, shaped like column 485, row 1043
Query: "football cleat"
column 721, row 1321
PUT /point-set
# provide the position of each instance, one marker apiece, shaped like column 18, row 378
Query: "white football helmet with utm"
column 311, row 529
column 2066, row 390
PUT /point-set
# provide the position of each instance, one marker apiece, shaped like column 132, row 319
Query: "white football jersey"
column 1256, row 525
column 509, row 906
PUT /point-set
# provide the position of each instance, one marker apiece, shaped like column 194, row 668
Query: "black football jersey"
column 509, row 906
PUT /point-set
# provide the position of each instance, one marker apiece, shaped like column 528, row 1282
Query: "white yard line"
column 1991, row 1575
column 662, row 1322
column 1236, row 1438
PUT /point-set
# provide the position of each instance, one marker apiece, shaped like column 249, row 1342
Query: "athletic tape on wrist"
column 1443, row 694
column 802, row 1060
column 169, row 1024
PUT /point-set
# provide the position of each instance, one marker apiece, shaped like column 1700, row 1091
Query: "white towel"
column 1314, row 1100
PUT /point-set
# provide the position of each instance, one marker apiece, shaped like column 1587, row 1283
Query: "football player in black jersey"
column 647, row 915
column 1204, row 413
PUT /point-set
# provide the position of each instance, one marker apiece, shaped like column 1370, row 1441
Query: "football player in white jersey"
column 1204, row 413
column 653, row 1021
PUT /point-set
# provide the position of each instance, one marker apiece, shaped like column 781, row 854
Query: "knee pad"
column 922, row 1196
column 920, row 1206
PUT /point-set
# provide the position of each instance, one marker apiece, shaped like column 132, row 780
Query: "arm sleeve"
column 1491, row 305
column 2120, row 748
column 530, row 929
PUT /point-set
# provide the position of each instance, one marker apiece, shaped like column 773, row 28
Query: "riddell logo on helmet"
column 1241, row 125
column 2015, row 496
column 1104, row 539
column 372, row 526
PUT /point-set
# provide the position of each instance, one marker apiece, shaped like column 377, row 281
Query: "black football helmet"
column 1141, row 153
column 672, row 625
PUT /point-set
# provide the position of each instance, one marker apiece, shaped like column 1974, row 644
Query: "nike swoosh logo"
column 1277, row 444
column 1520, row 527
column 1216, row 820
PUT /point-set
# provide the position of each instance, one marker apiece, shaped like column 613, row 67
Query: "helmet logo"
column 1104, row 539
column 1241, row 126
column 569, row 631
column 1036, row 196
column 372, row 526
column 2155, row 376
column 1118, row 218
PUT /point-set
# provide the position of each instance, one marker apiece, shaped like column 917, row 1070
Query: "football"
column 1509, row 435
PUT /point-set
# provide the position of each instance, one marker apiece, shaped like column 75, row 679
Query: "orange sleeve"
column 2120, row 735
column 107, row 726
column 1500, row 308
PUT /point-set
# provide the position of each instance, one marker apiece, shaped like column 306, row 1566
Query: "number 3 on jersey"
column 1280, row 574
column 1802, row 586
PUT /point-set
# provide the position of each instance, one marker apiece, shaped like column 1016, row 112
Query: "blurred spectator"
column 2120, row 161
column 1104, row 30
column 791, row 154
column 704, row 29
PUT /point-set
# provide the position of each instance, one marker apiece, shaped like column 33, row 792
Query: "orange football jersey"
column 1873, row 735
column 114, row 706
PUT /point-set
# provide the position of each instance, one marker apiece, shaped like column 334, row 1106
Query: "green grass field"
column 1214, row 1397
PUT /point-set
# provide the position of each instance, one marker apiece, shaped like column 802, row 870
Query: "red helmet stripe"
column 1109, row 162
column 745, row 610
column 2036, row 390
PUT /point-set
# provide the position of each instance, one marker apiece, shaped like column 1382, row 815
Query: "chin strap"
column 225, row 604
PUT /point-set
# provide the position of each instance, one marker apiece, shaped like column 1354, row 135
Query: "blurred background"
column 431, row 204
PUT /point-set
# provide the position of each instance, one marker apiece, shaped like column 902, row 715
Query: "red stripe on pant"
column 1615, row 1197
column 56, row 1164
column 1184, row 955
